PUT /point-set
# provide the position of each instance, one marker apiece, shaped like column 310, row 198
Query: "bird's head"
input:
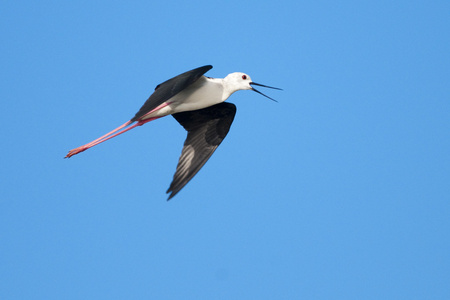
column 241, row 81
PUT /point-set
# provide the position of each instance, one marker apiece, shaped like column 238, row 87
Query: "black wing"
column 170, row 88
column 206, row 130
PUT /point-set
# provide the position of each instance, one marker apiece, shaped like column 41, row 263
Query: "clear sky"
column 339, row 191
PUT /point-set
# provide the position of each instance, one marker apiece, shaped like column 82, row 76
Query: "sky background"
column 339, row 191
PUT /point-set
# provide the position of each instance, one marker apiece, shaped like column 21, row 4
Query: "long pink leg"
column 91, row 144
column 106, row 137
column 110, row 134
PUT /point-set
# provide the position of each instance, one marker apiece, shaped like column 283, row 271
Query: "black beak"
column 266, row 86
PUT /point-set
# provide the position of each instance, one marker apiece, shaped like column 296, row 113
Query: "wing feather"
column 206, row 130
column 170, row 88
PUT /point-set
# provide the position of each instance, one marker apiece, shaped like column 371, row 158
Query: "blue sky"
column 339, row 191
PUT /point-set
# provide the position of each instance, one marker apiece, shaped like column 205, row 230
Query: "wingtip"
column 208, row 67
column 170, row 192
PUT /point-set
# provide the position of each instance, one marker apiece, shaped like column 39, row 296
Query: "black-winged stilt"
column 197, row 103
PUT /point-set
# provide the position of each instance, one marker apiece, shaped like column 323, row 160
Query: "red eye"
column 244, row 77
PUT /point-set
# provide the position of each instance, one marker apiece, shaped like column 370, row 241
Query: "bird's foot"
column 76, row 151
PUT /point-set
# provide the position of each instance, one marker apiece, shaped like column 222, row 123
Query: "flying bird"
column 197, row 103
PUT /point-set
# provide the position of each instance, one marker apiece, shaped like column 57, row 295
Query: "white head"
column 238, row 81
column 241, row 81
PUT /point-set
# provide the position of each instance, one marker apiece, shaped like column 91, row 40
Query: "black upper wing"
column 170, row 88
column 206, row 130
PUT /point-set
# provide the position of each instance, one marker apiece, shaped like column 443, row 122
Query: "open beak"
column 266, row 86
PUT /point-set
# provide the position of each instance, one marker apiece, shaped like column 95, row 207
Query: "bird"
column 197, row 103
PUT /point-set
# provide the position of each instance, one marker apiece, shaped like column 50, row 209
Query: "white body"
column 203, row 93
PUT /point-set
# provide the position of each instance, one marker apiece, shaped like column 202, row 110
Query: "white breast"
column 203, row 93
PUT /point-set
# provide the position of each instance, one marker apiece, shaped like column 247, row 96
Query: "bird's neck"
column 228, row 89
